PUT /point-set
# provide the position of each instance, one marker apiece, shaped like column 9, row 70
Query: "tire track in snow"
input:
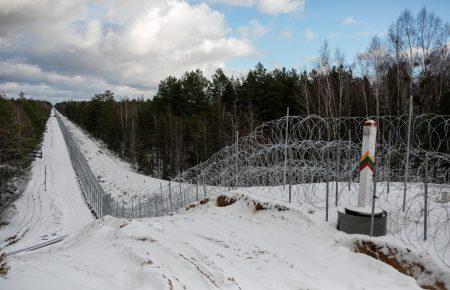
column 38, row 215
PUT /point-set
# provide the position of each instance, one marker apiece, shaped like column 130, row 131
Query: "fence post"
column 181, row 195
column 350, row 158
column 388, row 163
column 95, row 207
column 170, row 198
column 196, row 190
column 231, row 165
column 45, row 178
column 204, row 191
column 99, row 204
column 425, row 206
column 327, row 178
column 102, row 204
column 285, row 148
column 338, row 159
column 408, row 143
column 237, row 159
column 91, row 193
column 106, row 205
column 94, row 198
column 110, row 204
column 162, row 200
column 156, row 203
column 123, row 209
column 140, row 212
column 290, row 186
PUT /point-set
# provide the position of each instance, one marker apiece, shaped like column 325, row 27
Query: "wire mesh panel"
column 94, row 194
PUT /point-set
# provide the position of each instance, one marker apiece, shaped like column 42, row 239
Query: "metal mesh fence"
column 164, row 202
column 94, row 194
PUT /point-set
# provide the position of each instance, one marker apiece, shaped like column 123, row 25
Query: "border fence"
column 313, row 162
column 168, row 200
column 95, row 196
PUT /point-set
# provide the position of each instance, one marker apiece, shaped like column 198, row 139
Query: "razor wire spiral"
column 305, row 154
column 308, row 152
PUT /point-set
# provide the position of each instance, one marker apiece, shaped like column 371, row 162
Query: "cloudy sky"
column 71, row 49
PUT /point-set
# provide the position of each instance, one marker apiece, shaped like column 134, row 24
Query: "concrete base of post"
column 358, row 222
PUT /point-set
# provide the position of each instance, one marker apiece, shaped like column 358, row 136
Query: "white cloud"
column 286, row 34
column 309, row 34
column 252, row 31
column 124, row 45
column 349, row 20
column 267, row 6
column 33, row 81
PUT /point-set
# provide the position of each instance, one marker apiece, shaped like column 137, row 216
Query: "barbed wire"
column 295, row 158
column 306, row 152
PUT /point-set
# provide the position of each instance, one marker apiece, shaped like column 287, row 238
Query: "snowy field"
column 210, row 248
column 116, row 176
column 404, row 227
column 39, row 215
column 205, row 247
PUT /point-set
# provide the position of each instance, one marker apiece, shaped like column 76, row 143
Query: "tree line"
column 22, row 125
column 192, row 117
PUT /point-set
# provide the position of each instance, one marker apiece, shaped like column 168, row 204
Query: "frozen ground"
column 116, row 176
column 404, row 227
column 233, row 247
column 205, row 247
column 40, row 215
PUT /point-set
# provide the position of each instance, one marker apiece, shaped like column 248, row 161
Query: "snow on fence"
column 313, row 162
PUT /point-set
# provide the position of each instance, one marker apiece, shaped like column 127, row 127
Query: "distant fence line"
column 94, row 194
column 169, row 199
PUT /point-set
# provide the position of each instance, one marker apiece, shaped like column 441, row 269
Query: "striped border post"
column 367, row 163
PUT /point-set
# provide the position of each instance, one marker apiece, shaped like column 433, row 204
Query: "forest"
column 22, row 126
column 191, row 117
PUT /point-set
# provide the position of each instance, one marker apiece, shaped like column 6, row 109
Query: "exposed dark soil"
column 264, row 206
column 394, row 259
column 201, row 202
column 4, row 268
column 204, row 201
column 223, row 200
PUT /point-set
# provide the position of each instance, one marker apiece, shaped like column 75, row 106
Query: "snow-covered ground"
column 116, row 176
column 404, row 227
column 205, row 247
column 40, row 215
column 208, row 247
